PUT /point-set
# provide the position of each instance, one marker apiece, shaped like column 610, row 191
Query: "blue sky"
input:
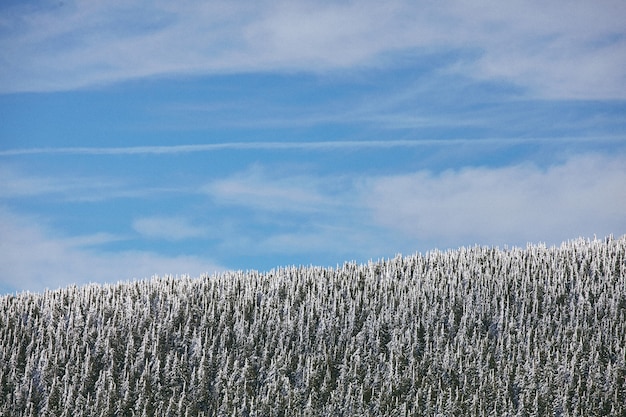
column 152, row 138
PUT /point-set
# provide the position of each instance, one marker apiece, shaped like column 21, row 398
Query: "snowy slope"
column 474, row 331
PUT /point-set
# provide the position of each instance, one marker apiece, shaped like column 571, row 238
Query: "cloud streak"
column 578, row 51
column 258, row 190
column 16, row 184
column 301, row 146
column 168, row 228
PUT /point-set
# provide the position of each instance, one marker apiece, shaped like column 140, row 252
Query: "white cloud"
column 297, row 212
column 213, row 147
column 16, row 183
column 573, row 50
column 33, row 258
column 576, row 50
column 508, row 205
column 259, row 190
column 169, row 228
column 379, row 215
column 293, row 212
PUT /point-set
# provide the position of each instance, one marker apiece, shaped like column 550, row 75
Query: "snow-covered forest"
column 475, row 331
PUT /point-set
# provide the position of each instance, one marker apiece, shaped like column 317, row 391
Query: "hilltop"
column 475, row 331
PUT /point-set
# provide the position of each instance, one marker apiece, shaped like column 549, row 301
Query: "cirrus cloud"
column 576, row 50
column 168, row 228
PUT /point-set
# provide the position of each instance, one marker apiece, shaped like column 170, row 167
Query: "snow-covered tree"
column 474, row 331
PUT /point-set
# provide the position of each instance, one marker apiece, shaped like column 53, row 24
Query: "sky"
column 192, row 137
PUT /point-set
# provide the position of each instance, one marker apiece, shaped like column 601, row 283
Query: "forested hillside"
column 476, row 331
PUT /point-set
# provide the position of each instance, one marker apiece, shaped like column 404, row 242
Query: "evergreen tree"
column 475, row 331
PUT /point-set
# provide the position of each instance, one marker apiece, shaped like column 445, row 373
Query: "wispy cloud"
column 300, row 214
column 168, row 228
column 572, row 51
column 16, row 183
column 35, row 257
column 576, row 51
column 581, row 196
column 292, row 211
column 304, row 145
column 259, row 190
column 509, row 205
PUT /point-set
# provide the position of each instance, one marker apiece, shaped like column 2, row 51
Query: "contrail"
column 310, row 145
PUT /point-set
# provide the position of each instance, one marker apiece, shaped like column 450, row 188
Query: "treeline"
column 476, row 331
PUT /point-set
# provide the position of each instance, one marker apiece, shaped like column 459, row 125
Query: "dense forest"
column 475, row 331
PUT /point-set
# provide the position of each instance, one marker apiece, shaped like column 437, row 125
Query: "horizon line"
column 288, row 145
